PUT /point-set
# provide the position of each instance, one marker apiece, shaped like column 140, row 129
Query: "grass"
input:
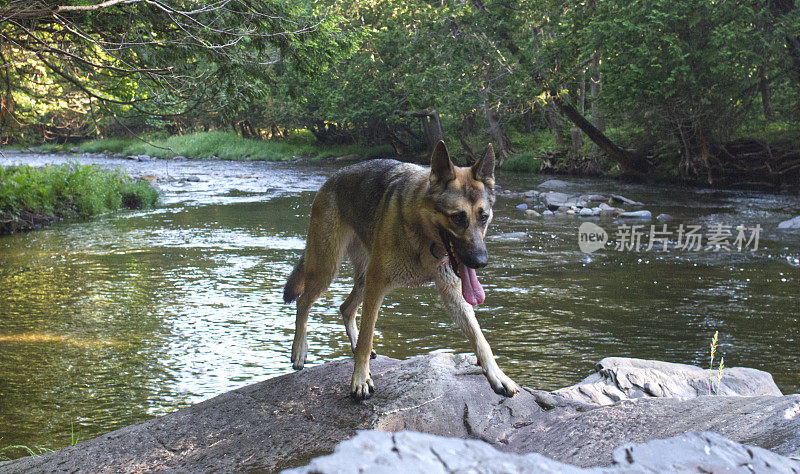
column 227, row 146
column 47, row 193
column 711, row 366
column 17, row 450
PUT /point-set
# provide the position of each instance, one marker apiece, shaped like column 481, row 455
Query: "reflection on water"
column 115, row 320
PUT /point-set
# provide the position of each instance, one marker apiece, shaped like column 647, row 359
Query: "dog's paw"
column 503, row 385
column 361, row 388
column 299, row 354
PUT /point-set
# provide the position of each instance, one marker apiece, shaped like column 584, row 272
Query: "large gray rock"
column 554, row 200
column 621, row 378
column 412, row 453
column 285, row 421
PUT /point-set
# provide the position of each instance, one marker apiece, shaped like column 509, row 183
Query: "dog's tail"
column 296, row 282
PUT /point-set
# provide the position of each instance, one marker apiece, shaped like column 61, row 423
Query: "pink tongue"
column 471, row 288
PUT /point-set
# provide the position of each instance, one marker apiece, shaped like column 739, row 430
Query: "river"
column 114, row 320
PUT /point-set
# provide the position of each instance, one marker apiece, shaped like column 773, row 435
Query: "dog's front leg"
column 449, row 286
column 361, row 385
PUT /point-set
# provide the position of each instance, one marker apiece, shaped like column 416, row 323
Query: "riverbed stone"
column 554, row 184
column 522, row 207
column 589, row 212
column 411, row 453
column 285, row 421
column 664, row 217
column 793, row 223
column 555, row 199
column 532, row 213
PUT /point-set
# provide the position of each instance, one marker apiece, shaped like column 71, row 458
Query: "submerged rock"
column 644, row 215
column 624, row 200
column 664, row 218
column 554, row 184
column 793, row 223
column 522, row 207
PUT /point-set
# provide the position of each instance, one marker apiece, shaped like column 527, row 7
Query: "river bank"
column 34, row 197
column 286, row 421
column 771, row 164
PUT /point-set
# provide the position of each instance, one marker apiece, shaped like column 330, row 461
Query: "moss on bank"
column 227, row 146
column 32, row 197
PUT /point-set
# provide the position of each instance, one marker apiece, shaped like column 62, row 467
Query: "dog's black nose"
column 477, row 259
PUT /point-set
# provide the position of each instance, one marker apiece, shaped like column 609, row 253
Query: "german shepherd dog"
column 400, row 224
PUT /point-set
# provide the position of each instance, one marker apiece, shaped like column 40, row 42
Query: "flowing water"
column 115, row 320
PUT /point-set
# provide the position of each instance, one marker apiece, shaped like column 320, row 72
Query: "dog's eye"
column 459, row 218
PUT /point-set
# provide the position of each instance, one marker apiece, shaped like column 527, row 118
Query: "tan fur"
column 402, row 248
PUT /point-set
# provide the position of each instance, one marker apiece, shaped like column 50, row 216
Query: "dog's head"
column 462, row 199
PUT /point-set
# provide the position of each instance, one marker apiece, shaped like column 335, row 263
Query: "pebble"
column 522, row 207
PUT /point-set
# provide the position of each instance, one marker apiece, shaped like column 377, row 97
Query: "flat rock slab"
column 411, row 453
column 287, row 420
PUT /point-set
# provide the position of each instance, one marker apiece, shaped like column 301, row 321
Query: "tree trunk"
column 553, row 121
column 582, row 92
column 595, row 88
column 527, row 116
column 576, row 137
column 431, row 127
column 766, row 101
column 502, row 144
column 627, row 159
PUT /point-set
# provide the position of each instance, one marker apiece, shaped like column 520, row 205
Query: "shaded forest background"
column 701, row 91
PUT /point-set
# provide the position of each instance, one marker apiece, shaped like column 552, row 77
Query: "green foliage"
column 70, row 190
column 229, row 146
column 526, row 162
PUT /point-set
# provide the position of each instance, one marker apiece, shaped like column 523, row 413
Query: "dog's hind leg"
column 328, row 236
column 449, row 287
column 358, row 258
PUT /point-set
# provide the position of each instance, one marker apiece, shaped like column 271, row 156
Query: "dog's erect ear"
column 483, row 169
column 442, row 169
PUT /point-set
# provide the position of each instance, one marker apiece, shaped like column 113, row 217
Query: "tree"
column 156, row 58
